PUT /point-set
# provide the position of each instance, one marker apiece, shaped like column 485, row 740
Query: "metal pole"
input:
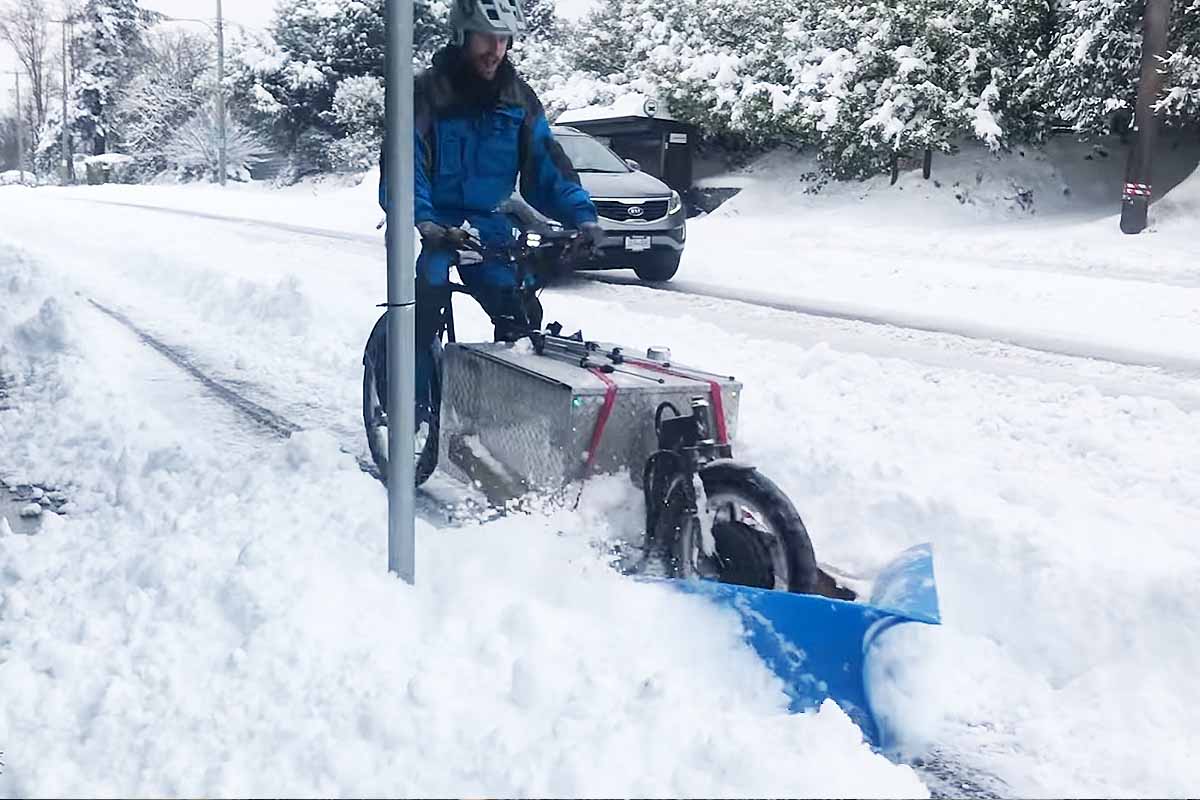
column 66, row 131
column 221, row 149
column 401, row 247
column 1135, row 199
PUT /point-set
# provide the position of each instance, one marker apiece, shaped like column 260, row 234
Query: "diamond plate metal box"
column 514, row 421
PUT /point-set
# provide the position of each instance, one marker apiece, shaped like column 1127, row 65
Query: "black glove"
column 586, row 244
column 591, row 236
column 434, row 235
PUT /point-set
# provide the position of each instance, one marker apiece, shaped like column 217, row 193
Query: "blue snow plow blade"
column 819, row 646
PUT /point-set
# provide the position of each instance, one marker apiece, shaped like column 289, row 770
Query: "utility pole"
column 20, row 137
column 1135, row 200
column 219, row 32
column 68, row 165
column 221, row 146
column 401, row 305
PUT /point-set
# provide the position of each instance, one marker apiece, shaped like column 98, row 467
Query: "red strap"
column 714, row 391
column 610, row 399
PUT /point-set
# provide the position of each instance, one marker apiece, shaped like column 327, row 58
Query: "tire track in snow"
column 435, row 506
column 323, row 233
column 1184, row 366
column 1058, row 345
column 264, row 418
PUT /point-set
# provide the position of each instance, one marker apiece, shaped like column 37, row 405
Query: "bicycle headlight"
column 675, row 204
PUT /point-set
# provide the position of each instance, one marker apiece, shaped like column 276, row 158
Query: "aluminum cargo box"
column 515, row 421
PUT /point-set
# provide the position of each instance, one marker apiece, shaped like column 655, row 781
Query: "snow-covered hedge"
column 863, row 81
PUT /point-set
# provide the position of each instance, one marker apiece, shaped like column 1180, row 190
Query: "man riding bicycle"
column 478, row 126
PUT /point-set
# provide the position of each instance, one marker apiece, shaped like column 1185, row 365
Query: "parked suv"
column 643, row 219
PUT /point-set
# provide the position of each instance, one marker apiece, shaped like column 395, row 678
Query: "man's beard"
column 475, row 89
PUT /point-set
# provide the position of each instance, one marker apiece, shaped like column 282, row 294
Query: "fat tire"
column 427, row 459
column 755, row 567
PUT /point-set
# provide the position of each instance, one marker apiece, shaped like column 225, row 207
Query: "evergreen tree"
column 286, row 84
column 1093, row 67
column 1095, row 64
column 1181, row 96
column 542, row 19
column 113, row 43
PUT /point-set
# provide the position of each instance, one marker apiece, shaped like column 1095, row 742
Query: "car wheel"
column 658, row 267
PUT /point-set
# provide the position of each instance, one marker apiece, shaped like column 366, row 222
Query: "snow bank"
column 1179, row 208
column 109, row 159
column 329, row 204
column 975, row 185
column 203, row 622
column 13, row 177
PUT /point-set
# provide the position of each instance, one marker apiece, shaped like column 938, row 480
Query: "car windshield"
column 588, row 155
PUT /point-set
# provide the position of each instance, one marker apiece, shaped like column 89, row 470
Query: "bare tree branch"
column 25, row 25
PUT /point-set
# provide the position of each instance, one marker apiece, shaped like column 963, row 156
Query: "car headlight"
column 675, row 204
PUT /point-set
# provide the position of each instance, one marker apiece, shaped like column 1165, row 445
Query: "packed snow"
column 211, row 612
column 216, row 619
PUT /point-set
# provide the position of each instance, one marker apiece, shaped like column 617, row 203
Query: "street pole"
column 221, row 146
column 401, row 274
column 20, row 134
column 1135, row 199
column 68, row 168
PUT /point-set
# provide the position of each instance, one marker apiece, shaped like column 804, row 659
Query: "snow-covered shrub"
column 109, row 168
column 862, row 81
column 195, row 147
column 172, row 82
column 358, row 109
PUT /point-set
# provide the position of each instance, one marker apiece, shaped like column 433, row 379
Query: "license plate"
column 637, row 243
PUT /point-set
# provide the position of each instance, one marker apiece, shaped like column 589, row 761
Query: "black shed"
column 662, row 146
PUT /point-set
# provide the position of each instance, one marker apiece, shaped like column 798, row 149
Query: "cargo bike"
column 535, row 411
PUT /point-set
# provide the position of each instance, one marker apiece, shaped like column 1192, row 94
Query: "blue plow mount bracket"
column 819, row 646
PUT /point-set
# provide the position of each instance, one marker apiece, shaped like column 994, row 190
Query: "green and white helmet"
column 500, row 17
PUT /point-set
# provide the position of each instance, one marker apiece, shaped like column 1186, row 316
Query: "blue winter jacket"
column 469, row 154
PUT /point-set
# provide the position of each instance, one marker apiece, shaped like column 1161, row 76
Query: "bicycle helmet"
column 499, row 17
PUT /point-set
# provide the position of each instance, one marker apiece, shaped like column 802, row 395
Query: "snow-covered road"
column 228, row 594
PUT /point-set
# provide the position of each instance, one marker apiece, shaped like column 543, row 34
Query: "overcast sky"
column 251, row 13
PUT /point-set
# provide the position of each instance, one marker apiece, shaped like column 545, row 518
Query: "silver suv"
column 643, row 218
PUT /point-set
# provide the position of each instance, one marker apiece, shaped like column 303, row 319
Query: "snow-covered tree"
column 173, row 81
column 8, row 142
column 287, row 82
column 113, row 42
column 862, row 80
column 873, row 80
column 25, row 26
column 1094, row 67
column 358, row 109
column 1181, row 96
column 542, row 19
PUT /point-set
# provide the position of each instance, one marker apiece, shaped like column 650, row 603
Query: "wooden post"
column 1135, row 199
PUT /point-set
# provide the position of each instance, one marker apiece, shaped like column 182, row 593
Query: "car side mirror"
column 633, row 165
